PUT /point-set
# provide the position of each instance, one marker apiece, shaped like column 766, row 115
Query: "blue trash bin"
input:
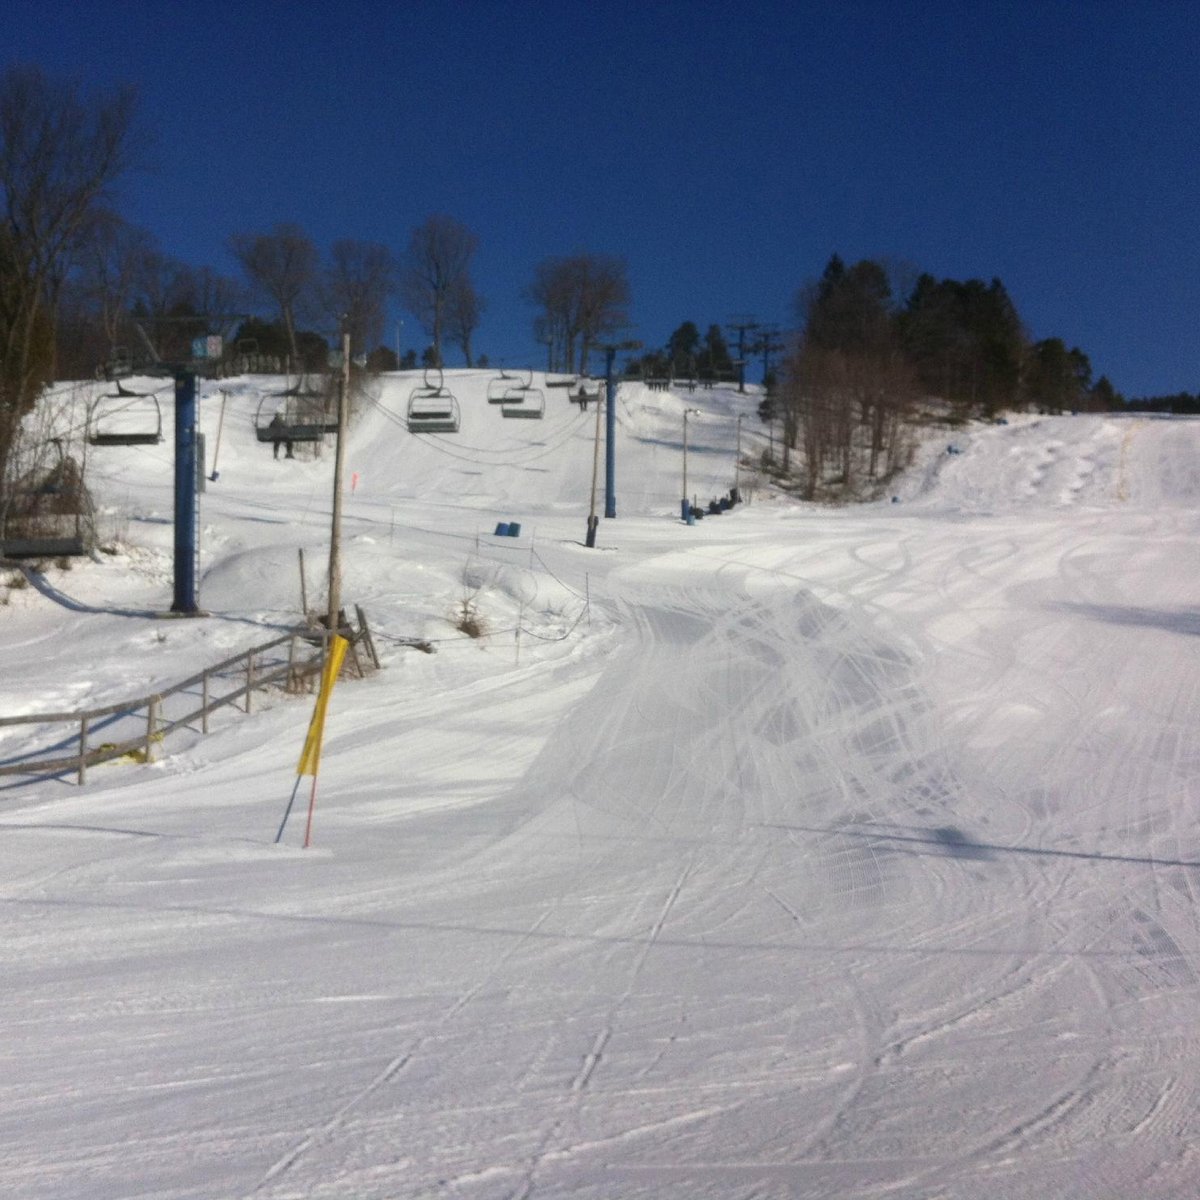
column 514, row 529
column 502, row 529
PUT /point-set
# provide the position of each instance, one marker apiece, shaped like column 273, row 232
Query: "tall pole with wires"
column 737, row 460
column 769, row 343
column 610, row 432
column 610, row 424
column 742, row 324
column 339, row 465
column 186, row 505
column 685, row 508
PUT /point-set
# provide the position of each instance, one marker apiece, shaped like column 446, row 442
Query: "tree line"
column 868, row 360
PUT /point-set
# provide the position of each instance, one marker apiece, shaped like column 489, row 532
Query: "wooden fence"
column 266, row 665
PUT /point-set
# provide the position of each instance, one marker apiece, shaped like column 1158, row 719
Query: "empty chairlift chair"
column 499, row 387
column 524, row 402
column 522, row 399
column 432, row 407
column 124, row 418
column 47, row 514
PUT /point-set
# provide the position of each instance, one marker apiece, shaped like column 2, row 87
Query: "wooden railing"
column 253, row 670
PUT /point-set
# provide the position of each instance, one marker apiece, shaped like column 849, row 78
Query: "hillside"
column 799, row 852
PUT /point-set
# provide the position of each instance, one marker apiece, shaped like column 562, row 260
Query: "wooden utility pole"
column 335, row 541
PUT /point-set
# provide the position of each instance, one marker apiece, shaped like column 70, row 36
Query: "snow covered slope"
column 823, row 853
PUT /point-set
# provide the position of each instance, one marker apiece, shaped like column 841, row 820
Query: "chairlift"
column 432, row 407
column 524, row 402
column 124, row 418
column 47, row 517
column 588, row 389
column 432, row 413
column 301, row 418
column 499, row 387
column 562, row 381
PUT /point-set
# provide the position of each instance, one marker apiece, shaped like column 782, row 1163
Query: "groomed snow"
column 824, row 853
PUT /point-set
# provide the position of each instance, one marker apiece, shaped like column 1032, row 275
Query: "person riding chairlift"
column 276, row 427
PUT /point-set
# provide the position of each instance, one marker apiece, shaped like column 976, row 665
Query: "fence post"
column 204, row 702
column 83, row 732
column 249, row 677
column 365, row 630
column 291, row 671
column 151, row 724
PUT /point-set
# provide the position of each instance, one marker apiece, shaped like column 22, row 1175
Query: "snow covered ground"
column 823, row 853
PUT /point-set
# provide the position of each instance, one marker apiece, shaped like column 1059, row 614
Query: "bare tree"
column 60, row 153
column 464, row 308
column 219, row 299
column 280, row 266
column 582, row 298
column 114, row 261
column 554, row 327
column 355, row 288
column 438, row 259
column 175, row 303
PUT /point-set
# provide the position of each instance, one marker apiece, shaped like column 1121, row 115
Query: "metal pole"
column 594, row 520
column 335, row 540
column 737, row 462
column 185, row 494
column 685, row 508
column 610, row 433
column 217, row 449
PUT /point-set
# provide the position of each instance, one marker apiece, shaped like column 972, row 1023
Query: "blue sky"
column 724, row 150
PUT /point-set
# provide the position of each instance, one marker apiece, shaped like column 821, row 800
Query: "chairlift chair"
column 437, row 413
column 124, row 418
column 432, row 407
column 524, row 402
column 46, row 516
column 300, row 419
column 499, row 387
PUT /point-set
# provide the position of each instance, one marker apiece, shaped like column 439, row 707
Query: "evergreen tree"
column 964, row 340
column 849, row 310
column 714, row 360
column 683, row 346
